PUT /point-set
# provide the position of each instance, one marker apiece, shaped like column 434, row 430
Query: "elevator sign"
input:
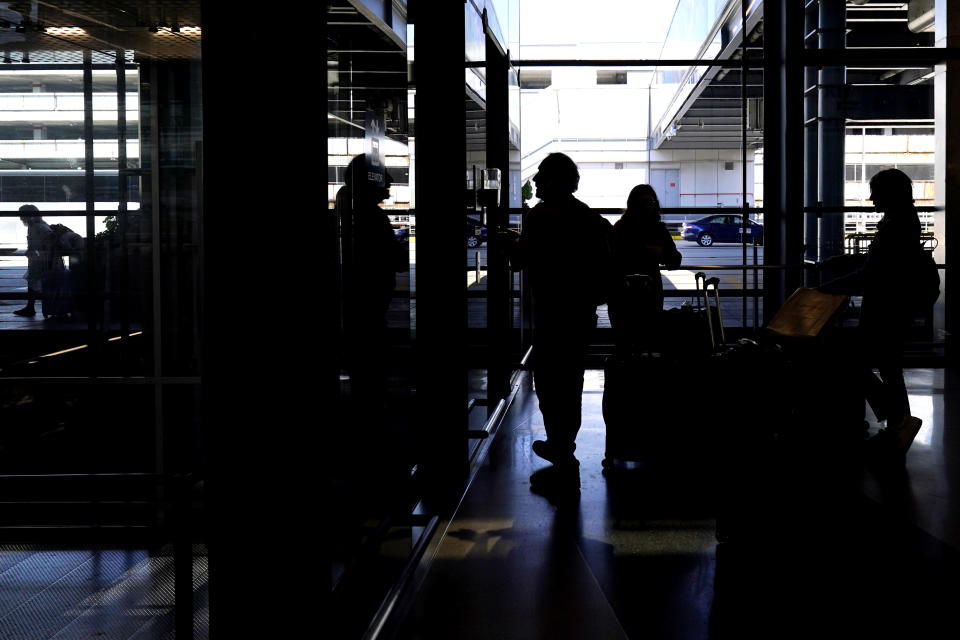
column 373, row 147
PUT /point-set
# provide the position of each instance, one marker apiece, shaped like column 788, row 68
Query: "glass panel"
column 89, row 274
column 869, row 118
column 696, row 162
column 372, row 226
column 41, row 139
column 612, row 29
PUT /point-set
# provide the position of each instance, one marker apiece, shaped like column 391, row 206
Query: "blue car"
column 476, row 233
column 721, row 228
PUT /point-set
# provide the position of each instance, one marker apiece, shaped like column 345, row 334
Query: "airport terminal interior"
column 221, row 418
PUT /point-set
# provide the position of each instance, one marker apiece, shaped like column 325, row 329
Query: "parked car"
column 721, row 228
column 476, row 233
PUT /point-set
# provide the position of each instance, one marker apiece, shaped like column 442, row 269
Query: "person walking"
column 39, row 237
column 890, row 277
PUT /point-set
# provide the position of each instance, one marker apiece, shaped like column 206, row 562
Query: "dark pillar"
column 263, row 420
column 441, row 337
column 499, row 303
column 947, row 167
column 832, row 128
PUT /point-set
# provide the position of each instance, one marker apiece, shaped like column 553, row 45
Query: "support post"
column 811, row 190
column 783, row 170
column 499, row 301
column 441, row 336
column 947, row 159
column 832, row 128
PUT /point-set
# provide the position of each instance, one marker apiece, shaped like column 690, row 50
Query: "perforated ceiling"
column 59, row 32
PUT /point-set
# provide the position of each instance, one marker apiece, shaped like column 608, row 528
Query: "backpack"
column 64, row 240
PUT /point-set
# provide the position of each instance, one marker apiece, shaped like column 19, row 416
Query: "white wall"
column 603, row 128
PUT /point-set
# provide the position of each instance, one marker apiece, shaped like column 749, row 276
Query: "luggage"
column 805, row 407
column 806, row 314
column 641, row 396
column 56, row 298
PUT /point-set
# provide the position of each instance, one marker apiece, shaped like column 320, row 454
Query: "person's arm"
column 670, row 256
column 844, row 264
column 850, row 284
column 516, row 244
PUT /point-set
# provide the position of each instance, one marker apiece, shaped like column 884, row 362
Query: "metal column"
column 783, row 170
column 94, row 301
column 811, row 190
column 947, row 123
column 832, row 128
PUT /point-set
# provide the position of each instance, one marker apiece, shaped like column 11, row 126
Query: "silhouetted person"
column 39, row 237
column 566, row 285
column 371, row 257
column 887, row 277
column 641, row 243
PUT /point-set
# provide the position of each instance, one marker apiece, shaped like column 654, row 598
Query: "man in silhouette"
column 372, row 256
column 566, row 287
column 890, row 279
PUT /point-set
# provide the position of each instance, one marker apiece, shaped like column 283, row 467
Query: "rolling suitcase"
column 56, row 299
column 641, row 420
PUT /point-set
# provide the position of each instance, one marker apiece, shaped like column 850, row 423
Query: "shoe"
column 882, row 446
column 905, row 432
column 548, row 452
column 556, row 481
column 26, row 311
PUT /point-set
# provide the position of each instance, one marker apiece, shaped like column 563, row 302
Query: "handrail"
column 526, row 357
column 390, row 602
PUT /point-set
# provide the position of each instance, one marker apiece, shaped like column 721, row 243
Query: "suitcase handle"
column 702, row 294
column 703, row 300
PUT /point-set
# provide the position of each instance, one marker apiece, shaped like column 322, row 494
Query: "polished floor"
column 839, row 546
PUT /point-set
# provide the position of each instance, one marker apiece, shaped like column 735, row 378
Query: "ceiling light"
column 65, row 31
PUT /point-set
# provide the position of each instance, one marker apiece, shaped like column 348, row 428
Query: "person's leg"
column 559, row 389
column 897, row 404
column 559, row 363
column 886, row 348
column 30, row 309
column 875, row 392
column 901, row 427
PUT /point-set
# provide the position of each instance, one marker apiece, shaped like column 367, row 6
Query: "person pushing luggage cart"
column 39, row 235
column 895, row 284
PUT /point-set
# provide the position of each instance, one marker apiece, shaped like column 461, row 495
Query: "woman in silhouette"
column 641, row 244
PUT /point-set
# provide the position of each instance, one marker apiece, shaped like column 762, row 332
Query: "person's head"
column 556, row 176
column 891, row 190
column 643, row 200
column 29, row 213
column 364, row 191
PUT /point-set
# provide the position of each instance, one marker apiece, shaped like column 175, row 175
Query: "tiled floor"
column 636, row 555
